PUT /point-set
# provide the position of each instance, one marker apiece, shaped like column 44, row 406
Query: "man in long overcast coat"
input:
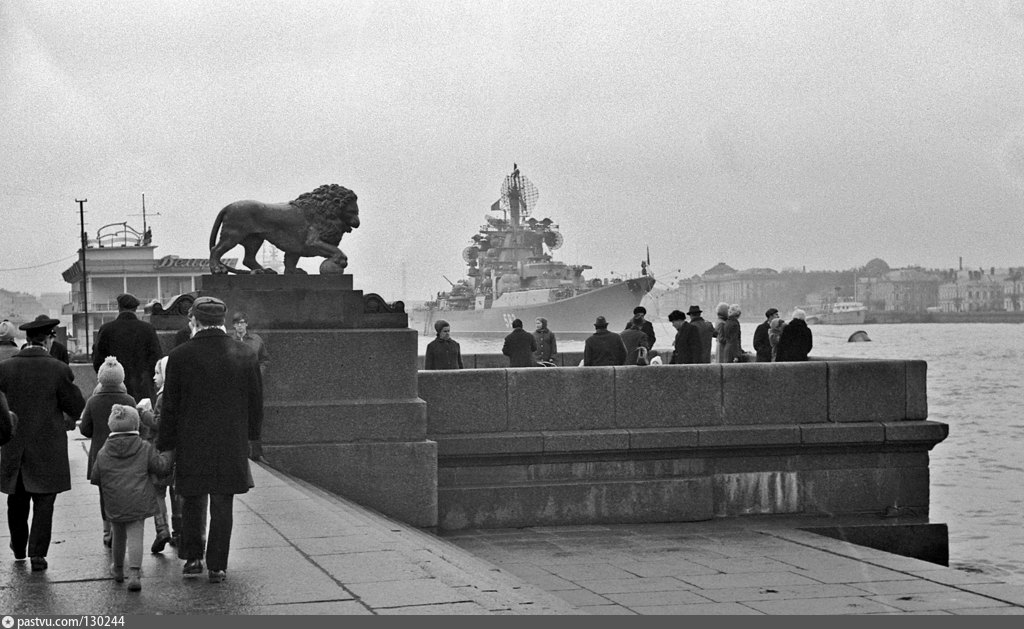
column 136, row 345
column 212, row 409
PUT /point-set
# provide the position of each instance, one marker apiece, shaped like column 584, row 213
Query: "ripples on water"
column 975, row 386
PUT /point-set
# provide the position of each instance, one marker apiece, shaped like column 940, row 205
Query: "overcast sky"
column 772, row 134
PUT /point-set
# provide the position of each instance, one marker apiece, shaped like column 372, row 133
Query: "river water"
column 976, row 385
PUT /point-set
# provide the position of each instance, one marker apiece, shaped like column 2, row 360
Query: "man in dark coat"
column 796, row 340
column 519, row 346
column 706, row 331
column 603, row 348
column 212, row 410
column 34, row 465
column 687, row 342
column 646, row 326
column 762, row 346
column 443, row 352
column 136, row 345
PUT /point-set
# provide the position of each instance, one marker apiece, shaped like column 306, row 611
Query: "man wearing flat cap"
column 34, row 464
column 640, row 313
column 762, row 346
column 135, row 344
column 212, row 410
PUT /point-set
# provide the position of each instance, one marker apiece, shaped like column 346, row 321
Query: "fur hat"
column 676, row 315
column 639, row 310
column 439, row 325
column 127, row 301
column 208, row 311
column 110, row 374
column 123, row 418
column 799, row 314
column 6, row 330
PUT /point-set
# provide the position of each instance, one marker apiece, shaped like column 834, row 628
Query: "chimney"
column 961, row 263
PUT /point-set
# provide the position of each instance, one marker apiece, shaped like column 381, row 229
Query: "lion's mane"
column 324, row 207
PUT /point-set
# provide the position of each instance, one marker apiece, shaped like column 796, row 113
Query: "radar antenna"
column 518, row 195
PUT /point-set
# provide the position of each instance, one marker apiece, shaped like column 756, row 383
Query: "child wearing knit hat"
column 122, row 471
column 110, row 390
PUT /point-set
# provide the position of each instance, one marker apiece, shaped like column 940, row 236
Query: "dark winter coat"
column 729, row 340
column 603, row 348
column 42, row 392
column 519, row 347
column 795, row 343
column 60, row 351
column 547, row 347
column 647, row 329
column 633, row 340
column 687, row 346
column 706, row 331
column 7, row 421
column 94, row 419
column 122, row 471
column 443, row 354
column 212, row 406
column 762, row 346
column 137, row 348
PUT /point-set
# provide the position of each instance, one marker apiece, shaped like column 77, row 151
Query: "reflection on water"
column 975, row 386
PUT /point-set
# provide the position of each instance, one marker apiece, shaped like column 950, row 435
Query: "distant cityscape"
column 889, row 294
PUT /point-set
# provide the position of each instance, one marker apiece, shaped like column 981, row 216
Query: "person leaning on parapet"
column 134, row 342
column 796, row 340
column 646, row 326
column 443, row 352
column 706, row 331
column 687, row 342
column 519, row 346
column 8, row 346
column 547, row 347
column 254, row 341
column 34, row 465
column 762, row 346
column 722, row 315
column 636, row 342
column 212, row 411
column 603, row 348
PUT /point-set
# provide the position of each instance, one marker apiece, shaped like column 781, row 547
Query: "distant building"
column 974, row 291
column 19, row 307
column 901, row 290
column 1013, row 290
column 121, row 260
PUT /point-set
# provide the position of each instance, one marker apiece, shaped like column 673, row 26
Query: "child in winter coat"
column 150, row 417
column 122, row 471
column 110, row 390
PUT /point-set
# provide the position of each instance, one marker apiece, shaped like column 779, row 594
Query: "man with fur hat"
column 134, row 342
column 443, row 352
column 762, row 346
column 34, row 465
column 603, row 348
column 519, row 346
column 8, row 347
column 687, row 343
column 211, row 416
column 645, row 326
column 796, row 341
column 706, row 331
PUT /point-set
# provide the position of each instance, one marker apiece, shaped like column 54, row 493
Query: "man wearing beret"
column 34, row 464
column 135, row 344
column 212, row 410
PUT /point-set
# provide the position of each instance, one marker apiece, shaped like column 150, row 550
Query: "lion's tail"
column 213, row 241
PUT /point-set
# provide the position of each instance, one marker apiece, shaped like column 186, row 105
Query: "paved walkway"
column 299, row 550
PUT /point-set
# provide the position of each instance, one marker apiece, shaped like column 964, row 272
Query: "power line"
column 25, row 268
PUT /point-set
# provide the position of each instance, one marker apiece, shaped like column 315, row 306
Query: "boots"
column 117, row 572
column 134, row 582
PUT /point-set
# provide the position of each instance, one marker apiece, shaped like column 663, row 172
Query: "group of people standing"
column 188, row 421
column 775, row 340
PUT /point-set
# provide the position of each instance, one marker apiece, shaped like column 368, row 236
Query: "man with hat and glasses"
column 135, row 344
column 212, row 412
column 706, row 331
column 34, row 464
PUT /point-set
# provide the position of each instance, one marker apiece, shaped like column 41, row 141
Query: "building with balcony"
column 122, row 260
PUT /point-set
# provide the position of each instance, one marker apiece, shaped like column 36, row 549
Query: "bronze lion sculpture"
column 311, row 225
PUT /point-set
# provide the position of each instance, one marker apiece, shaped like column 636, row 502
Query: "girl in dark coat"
column 122, row 470
column 109, row 391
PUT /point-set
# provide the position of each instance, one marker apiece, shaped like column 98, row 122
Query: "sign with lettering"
column 198, row 264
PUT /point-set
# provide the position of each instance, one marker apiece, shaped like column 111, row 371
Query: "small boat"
column 860, row 336
column 838, row 313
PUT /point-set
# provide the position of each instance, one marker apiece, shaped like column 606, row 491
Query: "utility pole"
column 85, row 282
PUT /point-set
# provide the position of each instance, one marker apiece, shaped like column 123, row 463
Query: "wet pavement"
column 299, row 550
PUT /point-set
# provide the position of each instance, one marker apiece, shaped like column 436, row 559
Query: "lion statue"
column 311, row 225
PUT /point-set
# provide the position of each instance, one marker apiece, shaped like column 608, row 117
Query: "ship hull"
column 568, row 317
column 854, row 317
